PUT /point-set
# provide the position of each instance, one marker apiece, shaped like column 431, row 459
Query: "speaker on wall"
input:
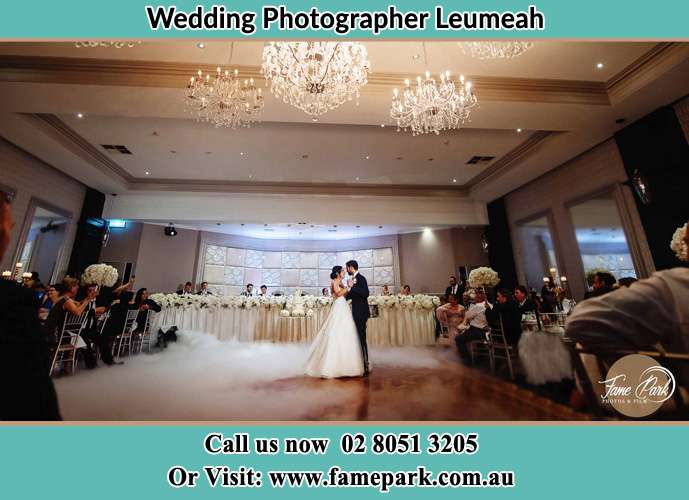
column 90, row 231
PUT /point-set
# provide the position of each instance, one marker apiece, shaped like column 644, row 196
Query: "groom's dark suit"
column 359, row 297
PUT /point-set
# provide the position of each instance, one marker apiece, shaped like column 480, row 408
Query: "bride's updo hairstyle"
column 335, row 272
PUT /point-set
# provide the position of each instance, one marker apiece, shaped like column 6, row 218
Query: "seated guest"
column 475, row 317
column 455, row 288
column 202, row 291
column 144, row 304
column 602, row 283
column 325, row 292
column 187, row 290
column 26, row 388
column 626, row 282
column 249, row 290
column 507, row 309
column 46, row 304
column 652, row 313
column 264, row 291
column 115, row 325
column 386, row 290
column 521, row 294
column 406, row 290
column 451, row 315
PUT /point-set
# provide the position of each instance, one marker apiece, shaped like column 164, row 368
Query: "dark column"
column 90, row 231
column 500, row 252
column 657, row 148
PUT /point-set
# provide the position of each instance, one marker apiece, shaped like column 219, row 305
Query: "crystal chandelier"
column 433, row 106
column 495, row 50
column 114, row 43
column 224, row 99
column 315, row 76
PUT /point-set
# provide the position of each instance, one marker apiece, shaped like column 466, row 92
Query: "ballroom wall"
column 30, row 177
column 424, row 261
column 164, row 263
column 595, row 170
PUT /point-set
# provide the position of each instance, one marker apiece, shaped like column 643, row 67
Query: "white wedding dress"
column 336, row 351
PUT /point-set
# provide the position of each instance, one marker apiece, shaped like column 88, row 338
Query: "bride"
column 336, row 350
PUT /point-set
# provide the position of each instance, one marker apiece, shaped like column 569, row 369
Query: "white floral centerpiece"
column 99, row 274
column 483, row 277
column 295, row 305
column 679, row 243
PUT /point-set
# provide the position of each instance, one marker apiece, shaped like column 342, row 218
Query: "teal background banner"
column 569, row 19
column 549, row 461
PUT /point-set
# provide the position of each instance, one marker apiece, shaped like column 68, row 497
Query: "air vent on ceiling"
column 116, row 149
column 475, row 160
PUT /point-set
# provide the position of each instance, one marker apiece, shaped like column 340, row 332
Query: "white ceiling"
column 547, row 59
column 337, row 146
column 297, row 231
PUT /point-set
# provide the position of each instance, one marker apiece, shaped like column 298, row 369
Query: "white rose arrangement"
column 483, row 277
column 99, row 274
column 294, row 305
column 679, row 244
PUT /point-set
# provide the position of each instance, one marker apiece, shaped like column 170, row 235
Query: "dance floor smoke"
column 201, row 378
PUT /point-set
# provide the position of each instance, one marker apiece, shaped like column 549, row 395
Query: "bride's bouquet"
column 99, row 274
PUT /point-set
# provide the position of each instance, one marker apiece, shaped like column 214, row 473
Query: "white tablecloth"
column 394, row 326
column 543, row 355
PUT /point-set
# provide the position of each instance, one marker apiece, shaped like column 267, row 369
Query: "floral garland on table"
column 289, row 306
column 483, row 277
column 99, row 274
column 679, row 244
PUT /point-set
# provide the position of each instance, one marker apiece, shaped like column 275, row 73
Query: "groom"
column 358, row 294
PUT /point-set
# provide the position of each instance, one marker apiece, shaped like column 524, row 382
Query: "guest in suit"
column 475, row 317
column 26, row 388
column 204, row 289
column 249, row 290
column 455, row 288
column 521, row 294
column 264, row 291
column 358, row 294
column 187, row 290
column 507, row 309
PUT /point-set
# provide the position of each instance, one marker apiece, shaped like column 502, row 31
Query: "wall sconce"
column 641, row 187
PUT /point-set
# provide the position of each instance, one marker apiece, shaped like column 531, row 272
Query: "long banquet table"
column 394, row 326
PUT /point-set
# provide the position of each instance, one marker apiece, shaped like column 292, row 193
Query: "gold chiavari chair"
column 124, row 339
column 67, row 346
column 500, row 348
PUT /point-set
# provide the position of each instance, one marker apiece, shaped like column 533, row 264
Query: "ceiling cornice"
column 107, row 72
column 110, row 72
column 512, row 158
column 645, row 69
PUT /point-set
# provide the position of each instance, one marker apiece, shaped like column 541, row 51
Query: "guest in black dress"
column 143, row 304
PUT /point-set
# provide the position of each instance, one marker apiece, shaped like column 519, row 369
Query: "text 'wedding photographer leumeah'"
column 196, row 230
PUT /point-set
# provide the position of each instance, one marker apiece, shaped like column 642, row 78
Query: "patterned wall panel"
column 383, row 276
column 235, row 256
column 327, row 260
column 254, row 258
column 229, row 269
column 215, row 255
column 308, row 277
column 272, row 260
column 291, row 260
column 234, row 276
